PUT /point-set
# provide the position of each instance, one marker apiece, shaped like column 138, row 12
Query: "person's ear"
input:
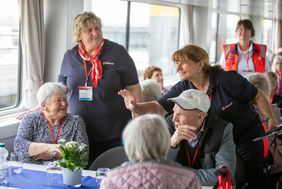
column 201, row 65
column 201, row 117
column 44, row 107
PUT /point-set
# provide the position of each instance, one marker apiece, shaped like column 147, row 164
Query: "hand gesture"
column 183, row 132
column 129, row 99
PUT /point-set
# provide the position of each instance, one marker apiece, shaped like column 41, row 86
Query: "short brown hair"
column 191, row 52
column 148, row 72
column 196, row 54
column 246, row 24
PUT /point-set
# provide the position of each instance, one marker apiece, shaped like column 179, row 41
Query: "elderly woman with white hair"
column 146, row 141
column 151, row 90
column 262, row 82
column 39, row 131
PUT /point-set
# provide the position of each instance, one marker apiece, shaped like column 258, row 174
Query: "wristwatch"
column 53, row 155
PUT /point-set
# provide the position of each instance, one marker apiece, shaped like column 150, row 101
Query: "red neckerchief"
column 54, row 141
column 96, row 63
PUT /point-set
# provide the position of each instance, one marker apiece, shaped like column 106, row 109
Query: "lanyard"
column 247, row 58
column 191, row 164
column 50, row 131
column 210, row 98
column 85, row 71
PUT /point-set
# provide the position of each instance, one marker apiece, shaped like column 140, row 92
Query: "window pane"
column 226, row 31
column 213, row 37
column 153, row 36
column 9, row 50
column 113, row 29
column 266, row 35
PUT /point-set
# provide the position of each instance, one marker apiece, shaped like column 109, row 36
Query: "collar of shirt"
column 250, row 50
column 194, row 141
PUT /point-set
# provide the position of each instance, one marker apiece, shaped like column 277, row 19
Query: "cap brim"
column 182, row 103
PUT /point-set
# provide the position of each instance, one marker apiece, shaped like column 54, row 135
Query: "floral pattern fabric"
column 34, row 128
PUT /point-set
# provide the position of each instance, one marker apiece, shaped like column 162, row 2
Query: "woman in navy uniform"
column 232, row 98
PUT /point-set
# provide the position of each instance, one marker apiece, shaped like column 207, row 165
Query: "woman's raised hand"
column 129, row 99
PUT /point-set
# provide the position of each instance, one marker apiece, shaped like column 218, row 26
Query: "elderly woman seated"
column 150, row 90
column 39, row 131
column 147, row 140
column 262, row 82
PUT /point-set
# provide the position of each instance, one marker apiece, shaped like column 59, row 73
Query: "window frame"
column 16, row 106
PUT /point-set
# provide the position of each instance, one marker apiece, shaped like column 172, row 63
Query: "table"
column 37, row 176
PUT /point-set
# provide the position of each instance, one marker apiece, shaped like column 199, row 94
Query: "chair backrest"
column 111, row 158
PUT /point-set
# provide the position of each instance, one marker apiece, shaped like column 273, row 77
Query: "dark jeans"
column 97, row 148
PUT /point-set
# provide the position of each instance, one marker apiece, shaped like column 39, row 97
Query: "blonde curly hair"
column 82, row 21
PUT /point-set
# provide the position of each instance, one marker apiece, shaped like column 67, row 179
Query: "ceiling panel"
column 263, row 8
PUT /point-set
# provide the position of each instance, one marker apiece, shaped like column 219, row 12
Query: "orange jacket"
column 231, row 57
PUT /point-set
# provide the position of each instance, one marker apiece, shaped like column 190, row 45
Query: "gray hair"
column 47, row 90
column 146, row 138
column 261, row 82
column 273, row 80
column 82, row 21
column 151, row 90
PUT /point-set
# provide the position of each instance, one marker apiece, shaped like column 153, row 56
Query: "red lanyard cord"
column 85, row 71
column 50, row 130
column 210, row 98
column 247, row 58
column 191, row 164
column 96, row 69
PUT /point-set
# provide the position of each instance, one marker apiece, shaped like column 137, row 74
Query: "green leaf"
column 74, row 155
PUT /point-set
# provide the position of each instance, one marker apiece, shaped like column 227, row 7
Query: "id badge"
column 85, row 93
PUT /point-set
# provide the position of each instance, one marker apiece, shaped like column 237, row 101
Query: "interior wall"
column 58, row 16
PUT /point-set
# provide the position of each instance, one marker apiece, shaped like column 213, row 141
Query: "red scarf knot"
column 96, row 69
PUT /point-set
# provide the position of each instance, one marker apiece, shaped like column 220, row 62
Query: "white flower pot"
column 72, row 178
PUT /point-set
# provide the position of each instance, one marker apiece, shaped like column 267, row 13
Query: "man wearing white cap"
column 205, row 142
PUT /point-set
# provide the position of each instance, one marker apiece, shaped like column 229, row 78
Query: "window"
column 226, row 31
column 113, row 29
column 213, row 45
column 153, row 36
column 9, row 54
column 153, row 31
column 266, row 35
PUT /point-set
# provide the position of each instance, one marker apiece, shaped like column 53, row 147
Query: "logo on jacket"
column 108, row 63
column 223, row 108
column 231, row 58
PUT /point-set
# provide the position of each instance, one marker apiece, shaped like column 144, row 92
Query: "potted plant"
column 74, row 159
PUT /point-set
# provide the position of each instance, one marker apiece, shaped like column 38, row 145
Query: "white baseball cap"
column 193, row 99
